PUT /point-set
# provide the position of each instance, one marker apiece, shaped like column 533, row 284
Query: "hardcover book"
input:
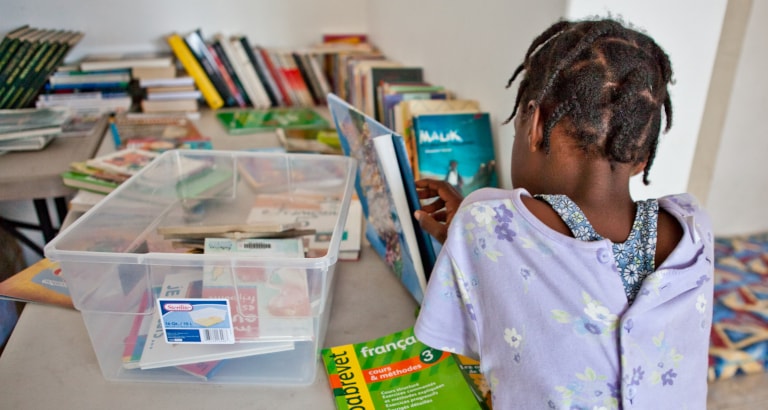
column 397, row 371
column 389, row 74
column 383, row 229
column 457, row 148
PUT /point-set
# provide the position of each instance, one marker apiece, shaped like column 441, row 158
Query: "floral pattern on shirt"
column 634, row 256
column 588, row 390
column 594, row 319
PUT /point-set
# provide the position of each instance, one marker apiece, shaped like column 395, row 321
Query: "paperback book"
column 266, row 303
column 456, row 147
column 159, row 353
column 384, row 230
column 255, row 120
column 41, row 282
column 397, row 371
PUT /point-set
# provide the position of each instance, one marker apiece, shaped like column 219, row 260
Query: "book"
column 265, row 303
column 40, row 282
column 84, row 200
column 153, row 73
column 25, row 74
column 388, row 74
column 159, row 133
column 260, row 69
column 383, row 229
column 195, row 70
column 227, row 74
column 255, row 88
column 158, row 353
column 32, row 121
column 30, row 143
column 255, row 120
column 403, row 118
column 91, row 183
column 108, row 61
column 127, row 161
column 176, row 105
column 397, row 371
column 45, row 68
column 456, row 147
column 320, row 141
column 390, row 150
column 199, row 50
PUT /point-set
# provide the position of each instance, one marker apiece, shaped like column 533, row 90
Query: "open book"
column 394, row 234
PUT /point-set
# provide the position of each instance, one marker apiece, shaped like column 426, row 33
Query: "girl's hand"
column 436, row 216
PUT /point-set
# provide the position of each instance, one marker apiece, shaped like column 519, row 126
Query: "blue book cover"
column 457, row 148
column 383, row 229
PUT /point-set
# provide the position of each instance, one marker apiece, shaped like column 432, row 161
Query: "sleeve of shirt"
column 446, row 320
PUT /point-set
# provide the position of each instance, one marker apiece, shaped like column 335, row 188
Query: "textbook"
column 397, row 371
column 383, row 229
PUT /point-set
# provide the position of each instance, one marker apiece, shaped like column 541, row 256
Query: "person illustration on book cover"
column 571, row 293
column 453, row 176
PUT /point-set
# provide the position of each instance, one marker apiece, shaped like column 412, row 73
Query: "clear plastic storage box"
column 143, row 242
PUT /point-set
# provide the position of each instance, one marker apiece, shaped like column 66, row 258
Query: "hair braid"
column 608, row 82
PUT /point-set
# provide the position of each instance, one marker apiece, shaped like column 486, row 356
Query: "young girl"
column 572, row 294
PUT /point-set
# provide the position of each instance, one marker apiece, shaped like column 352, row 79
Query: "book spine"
column 200, row 51
column 322, row 76
column 270, row 79
column 20, row 60
column 307, row 76
column 261, row 100
column 10, row 44
column 259, row 70
column 225, row 75
column 50, row 65
column 279, row 81
column 193, row 68
column 230, row 68
column 18, row 88
column 240, row 68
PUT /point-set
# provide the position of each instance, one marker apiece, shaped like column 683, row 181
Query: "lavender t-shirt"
column 548, row 317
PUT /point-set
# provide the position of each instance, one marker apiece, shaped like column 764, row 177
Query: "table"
column 49, row 362
column 35, row 175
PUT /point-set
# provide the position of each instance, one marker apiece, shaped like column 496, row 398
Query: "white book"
column 385, row 150
column 158, row 353
column 261, row 98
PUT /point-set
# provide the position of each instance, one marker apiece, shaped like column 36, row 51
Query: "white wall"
column 739, row 191
column 470, row 47
column 141, row 25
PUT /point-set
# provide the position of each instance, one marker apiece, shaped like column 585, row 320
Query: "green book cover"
column 252, row 120
column 399, row 372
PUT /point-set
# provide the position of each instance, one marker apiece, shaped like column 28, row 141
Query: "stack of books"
column 28, row 56
column 30, row 128
column 104, row 173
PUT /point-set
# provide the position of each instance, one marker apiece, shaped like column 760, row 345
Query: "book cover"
column 48, row 44
column 403, row 119
column 158, row 353
column 266, row 303
column 127, row 161
column 31, row 143
column 159, row 133
column 395, row 185
column 43, row 71
column 458, row 148
column 397, row 371
column 28, row 119
column 40, row 282
column 383, row 229
column 254, row 120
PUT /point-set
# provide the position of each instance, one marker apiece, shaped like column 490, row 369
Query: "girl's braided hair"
column 605, row 82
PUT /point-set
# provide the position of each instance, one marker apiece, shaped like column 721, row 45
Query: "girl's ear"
column 535, row 127
column 639, row 167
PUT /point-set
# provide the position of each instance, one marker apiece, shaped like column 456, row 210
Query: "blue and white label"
column 205, row 321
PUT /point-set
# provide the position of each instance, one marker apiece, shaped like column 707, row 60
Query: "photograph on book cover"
column 383, row 229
